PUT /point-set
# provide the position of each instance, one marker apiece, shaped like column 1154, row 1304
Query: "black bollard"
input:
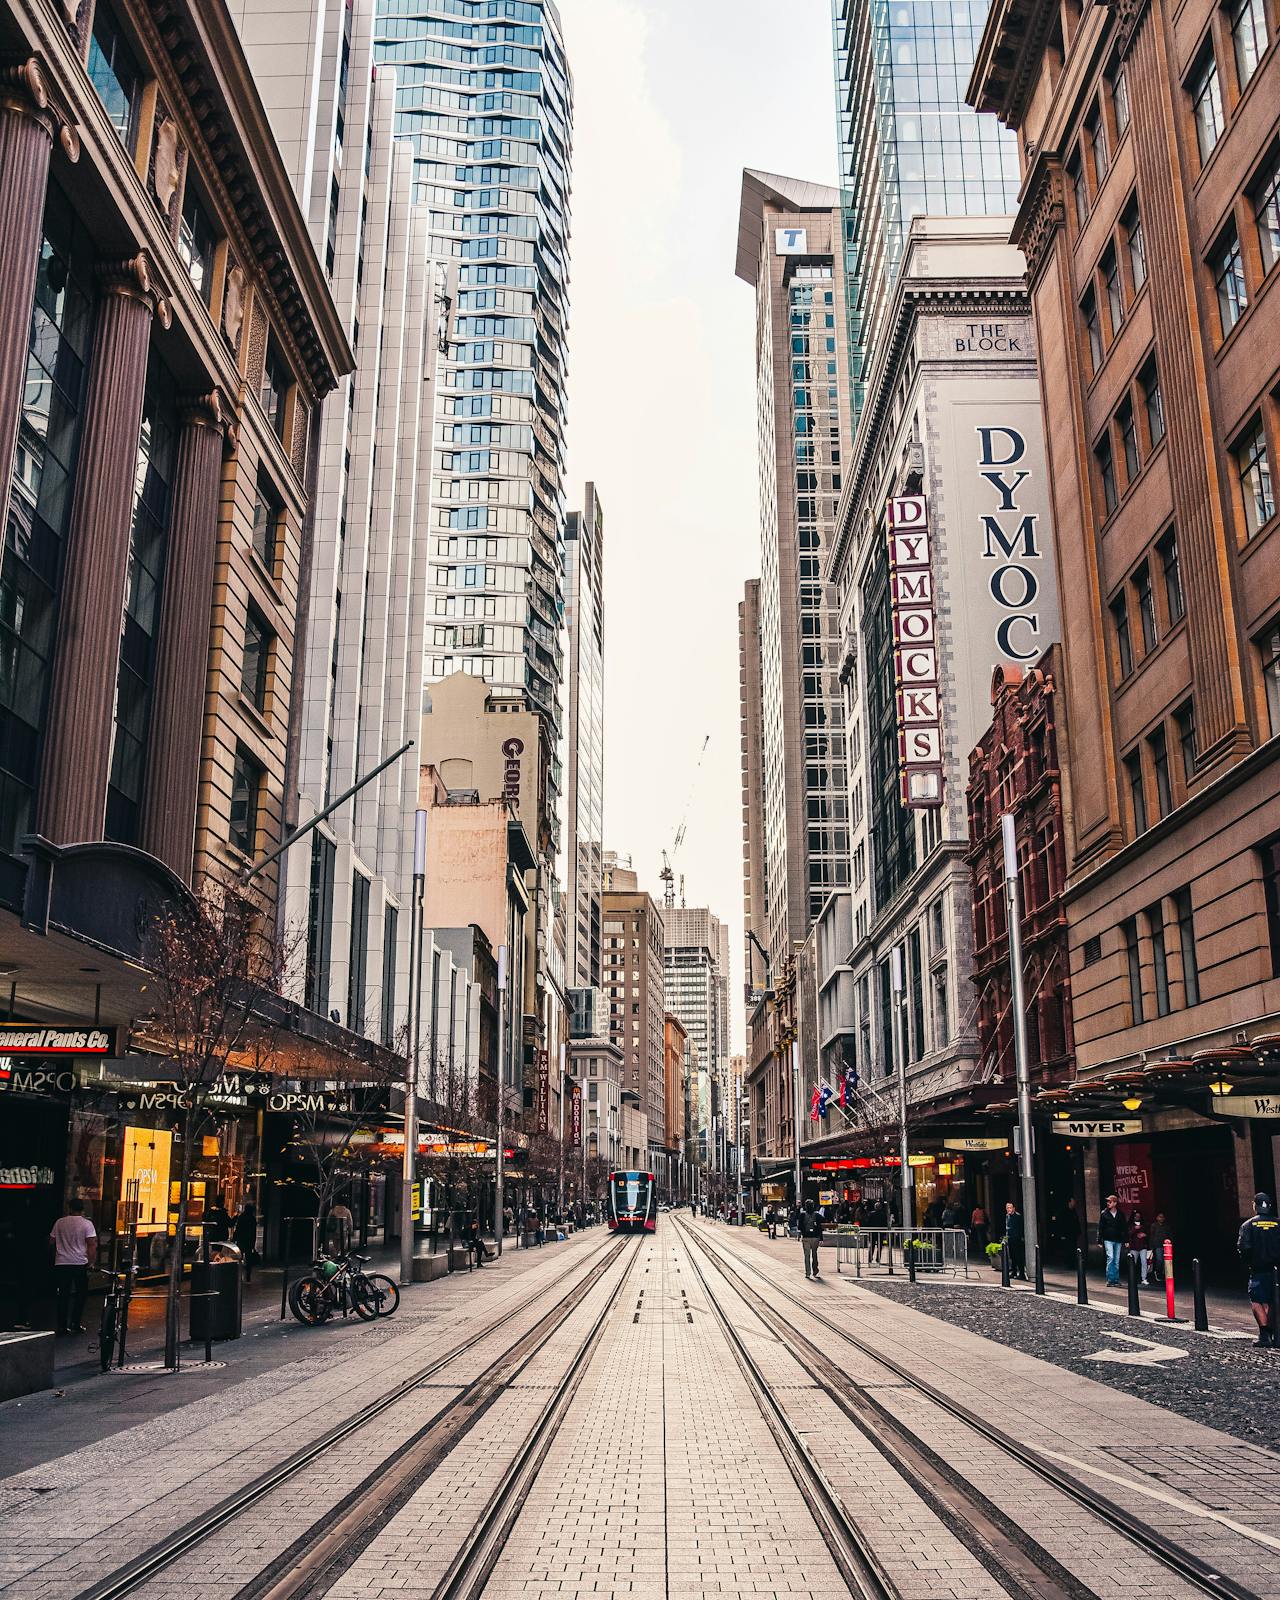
column 1082, row 1282
column 910, row 1253
column 1197, row 1296
column 1004, row 1264
column 1039, row 1272
column 1135, row 1305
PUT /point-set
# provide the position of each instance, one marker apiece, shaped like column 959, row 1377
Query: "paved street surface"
column 681, row 1419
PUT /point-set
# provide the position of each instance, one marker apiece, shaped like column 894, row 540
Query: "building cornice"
column 1011, row 46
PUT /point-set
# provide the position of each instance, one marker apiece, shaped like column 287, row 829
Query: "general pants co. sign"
column 915, row 652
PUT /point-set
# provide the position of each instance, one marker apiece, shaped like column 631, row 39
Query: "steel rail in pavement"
column 133, row 1574
column 1188, row 1566
column 863, row 1572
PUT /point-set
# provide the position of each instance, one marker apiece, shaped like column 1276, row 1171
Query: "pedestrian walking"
column 979, row 1234
column 74, row 1240
column 1113, row 1231
column 1139, row 1242
column 1159, row 1235
column 877, row 1222
column 217, row 1221
column 338, row 1229
column 810, row 1238
column 244, row 1235
column 773, row 1222
column 1015, row 1241
column 1259, row 1247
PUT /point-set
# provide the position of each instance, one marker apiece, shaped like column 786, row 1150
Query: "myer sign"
column 1247, row 1105
column 1099, row 1128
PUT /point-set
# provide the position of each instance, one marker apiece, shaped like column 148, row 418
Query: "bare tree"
column 214, row 960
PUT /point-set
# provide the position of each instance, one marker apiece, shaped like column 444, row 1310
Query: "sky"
column 672, row 99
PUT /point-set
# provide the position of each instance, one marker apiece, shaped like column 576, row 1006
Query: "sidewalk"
column 88, row 1405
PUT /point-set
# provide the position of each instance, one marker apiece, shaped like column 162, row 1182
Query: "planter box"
column 26, row 1363
column 428, row 1268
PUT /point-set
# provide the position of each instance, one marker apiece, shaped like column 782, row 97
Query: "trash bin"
column 216, row 1306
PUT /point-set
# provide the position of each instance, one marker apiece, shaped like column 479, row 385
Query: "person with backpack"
column 1259, row 1247
column 810, row 1238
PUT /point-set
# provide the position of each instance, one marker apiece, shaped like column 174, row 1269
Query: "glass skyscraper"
column 909, row 145
column 485, row 94
column 584, row 614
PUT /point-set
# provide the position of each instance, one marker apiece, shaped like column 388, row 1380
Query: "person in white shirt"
column 74, row 1238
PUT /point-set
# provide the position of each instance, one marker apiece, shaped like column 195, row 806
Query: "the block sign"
column 915, row 652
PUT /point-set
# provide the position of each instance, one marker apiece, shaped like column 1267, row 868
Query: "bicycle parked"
column 114, row 1321
column 341, row 1285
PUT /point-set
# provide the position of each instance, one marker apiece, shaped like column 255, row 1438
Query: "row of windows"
column 1138, row 426
column 1239, row 30
column 1117, row 280
column 1138, row 594
column 1238, row 270
column 1154, row 930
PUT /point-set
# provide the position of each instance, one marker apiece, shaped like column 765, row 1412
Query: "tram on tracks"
column 632, row 1205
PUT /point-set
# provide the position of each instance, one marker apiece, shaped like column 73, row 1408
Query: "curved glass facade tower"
column 485, row 94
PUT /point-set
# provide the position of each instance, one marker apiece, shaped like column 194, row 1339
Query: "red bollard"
column 1168, row 1279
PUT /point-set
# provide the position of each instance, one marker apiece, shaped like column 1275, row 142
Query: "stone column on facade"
column 182, row 648
column 77, row 753
column 28, row 126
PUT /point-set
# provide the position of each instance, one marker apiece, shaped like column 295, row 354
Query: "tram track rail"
column 383, row 1490
column 1014, row 1557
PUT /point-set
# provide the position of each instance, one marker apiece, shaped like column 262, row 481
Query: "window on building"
column 1127, row 422
column 1158, row 744
column 1248, row 37
column 113, row 72
column 1109, row 267
column 1137, row 792
column 1269, row 651
column 1152, row 401
column 268, row 517
column 1119, row 98
column 1103, row 455
column 1159, row 959
column 1093, row 328
column 1133, row 961
column 255, row 665
column 324, row 861
column 358, row 963
column 1079, row 187
column 246, row 797
column 274, row 392
column 197, row 241
column 1206, row 102
column 1136, row 241
column 1096, row 129
column 1228, row 278
column 390, row 936
column 1187, row 945
column 1124, row 642
column 1266, row 211
column 1253, row 471
column 1146, row 607
column 1184, row 719
column 1174, row 599
column 1270, row 854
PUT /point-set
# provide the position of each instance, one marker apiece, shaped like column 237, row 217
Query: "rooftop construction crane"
column 667, row 875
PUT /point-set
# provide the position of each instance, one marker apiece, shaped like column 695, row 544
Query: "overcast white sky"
column 673, row 99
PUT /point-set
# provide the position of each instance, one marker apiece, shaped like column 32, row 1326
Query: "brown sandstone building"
column 1150, row 218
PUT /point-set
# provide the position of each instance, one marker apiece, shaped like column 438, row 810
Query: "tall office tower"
column 696, row 959
column 788, row 233
column 333, row 115
column 909, row 145
column 584, row 620
column 486, row 99
column 633, row 981
column 755, row 914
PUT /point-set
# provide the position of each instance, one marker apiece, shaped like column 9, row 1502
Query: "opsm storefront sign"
column 915, row 652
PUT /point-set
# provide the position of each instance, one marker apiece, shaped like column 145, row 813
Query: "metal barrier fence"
column 883, row 1250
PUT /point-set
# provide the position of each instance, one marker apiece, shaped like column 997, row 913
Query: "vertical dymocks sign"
column 915, row 652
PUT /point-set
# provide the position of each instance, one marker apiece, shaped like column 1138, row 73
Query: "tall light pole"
column 407, row 1242
column 498, row 1224
column 1026, row 1154
column 563, row 1081
column 795, row 1095
column 900, row 1041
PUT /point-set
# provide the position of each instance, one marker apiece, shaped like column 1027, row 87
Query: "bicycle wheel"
column 309, row 1300
column 107, row 1332
column 375, row 1296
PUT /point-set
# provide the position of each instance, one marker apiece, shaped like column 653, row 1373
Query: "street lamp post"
column 498, row 1224
column 795, row 1118
column 1026, row 1153
column 415, row 1048
column 900, row 1042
